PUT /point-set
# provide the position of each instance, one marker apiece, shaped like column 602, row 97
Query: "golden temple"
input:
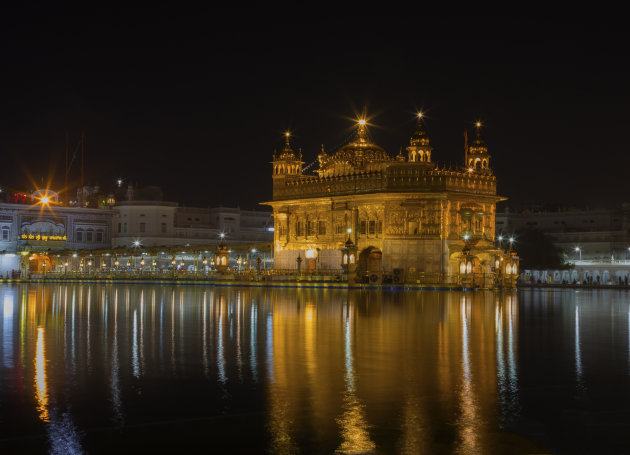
column 402, row 218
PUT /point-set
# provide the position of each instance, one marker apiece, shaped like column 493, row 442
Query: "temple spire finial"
column 362, row 132
column 287, row 141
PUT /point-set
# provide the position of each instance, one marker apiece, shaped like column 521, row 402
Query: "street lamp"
column 579, row 250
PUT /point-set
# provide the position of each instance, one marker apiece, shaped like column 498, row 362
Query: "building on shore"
column 160, row 223
column 595, row 241
column 40, row 233
column 408, row 218
column 38, row 223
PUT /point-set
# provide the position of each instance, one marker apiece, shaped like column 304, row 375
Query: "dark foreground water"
column 111, row 369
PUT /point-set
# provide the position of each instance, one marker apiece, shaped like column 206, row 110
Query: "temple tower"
column 419, row 150
column 286, row 162
column 477, row 157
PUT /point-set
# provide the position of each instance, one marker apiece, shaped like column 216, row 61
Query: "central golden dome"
column 356, row 155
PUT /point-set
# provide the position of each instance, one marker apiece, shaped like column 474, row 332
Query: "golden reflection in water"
column 468, row 421
column 41, row 387
column 353, row 424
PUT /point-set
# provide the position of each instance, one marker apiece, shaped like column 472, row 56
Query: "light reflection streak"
column 468, row 421
column 239, row 355
column 88, row 343
column 269, row 359
column 7, row 331
column 253, row 361
column 141, row 333
column 354, row 428
column 513, row 382
column 220, row 354
column 578, row 350
column 115, row 371
column 204, row 335
column 41, row 386
column 134, row 350
column 72, row 340
column 501, row 376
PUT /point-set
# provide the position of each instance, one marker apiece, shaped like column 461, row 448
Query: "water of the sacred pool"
column 157, row 368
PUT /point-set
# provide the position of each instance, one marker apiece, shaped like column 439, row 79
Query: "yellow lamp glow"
column 362, row 122
column 45, row 200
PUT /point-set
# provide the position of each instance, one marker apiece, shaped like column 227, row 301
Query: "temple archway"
column 370, row 261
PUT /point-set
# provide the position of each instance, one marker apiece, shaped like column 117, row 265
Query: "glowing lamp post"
column 222, row 257
column 579, row 250
column 511, row 269
column 466, row 264
column 349, row 259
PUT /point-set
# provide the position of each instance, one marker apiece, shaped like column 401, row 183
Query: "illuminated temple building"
column 407, row 218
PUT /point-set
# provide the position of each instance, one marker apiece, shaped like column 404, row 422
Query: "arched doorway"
column 41, row 263
column 370, row 262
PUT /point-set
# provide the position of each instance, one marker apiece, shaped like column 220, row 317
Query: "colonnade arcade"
column 155, row 261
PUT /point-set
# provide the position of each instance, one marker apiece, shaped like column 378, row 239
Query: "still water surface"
column 111, row 368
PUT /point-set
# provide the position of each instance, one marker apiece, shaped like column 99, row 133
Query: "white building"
column 158, row 223
column 45, row 227
column 582, row 234
column 596, row 242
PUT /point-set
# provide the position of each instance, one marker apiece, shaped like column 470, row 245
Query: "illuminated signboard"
column 44, row 238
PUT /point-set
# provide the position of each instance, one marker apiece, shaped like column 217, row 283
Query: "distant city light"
column 136, row 243
column 119, row 181
column 45, row 200
column 362, row 122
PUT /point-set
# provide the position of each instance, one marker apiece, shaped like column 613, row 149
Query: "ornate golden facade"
column 408, row 217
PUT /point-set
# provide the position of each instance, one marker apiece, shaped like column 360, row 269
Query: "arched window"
column 79, row 235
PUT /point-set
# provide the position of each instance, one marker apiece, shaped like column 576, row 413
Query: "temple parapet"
column 393, row 178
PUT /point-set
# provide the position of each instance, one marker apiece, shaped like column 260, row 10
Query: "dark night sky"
column 196, row 102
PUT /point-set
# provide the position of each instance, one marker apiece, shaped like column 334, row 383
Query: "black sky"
column 196, row 101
